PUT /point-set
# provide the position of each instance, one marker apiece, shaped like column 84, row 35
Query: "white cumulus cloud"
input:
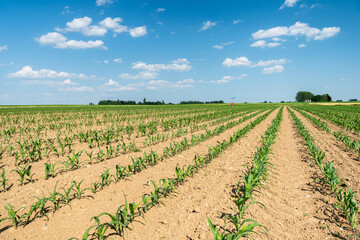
column 103, row 2
column 113, row 86
column 298, row 29
column 50, row 83
column 206, row 25
column 138, row 32
column 221, row 46
column 118, row 60
column 85, row 27
column 226, row 79
column 273, row 69
column 302, row 45
column 160, row 9
column 262, row 63
column 218, row 47
column 114, row 24
column 57, row 40
column 236, row 21
column 141, row 75
column 28, row 72
column 2, row 48
column 82, row 25
column 264, row 44
column 241, row 61
column 269, row 66
column 181, row 64
column 289, row 3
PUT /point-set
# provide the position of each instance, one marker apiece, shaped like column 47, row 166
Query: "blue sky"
column 76, row 52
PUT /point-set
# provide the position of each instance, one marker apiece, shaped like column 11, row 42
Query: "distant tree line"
column 199, row 102
column 304, row 96
column 144, row 102
column 116, row 102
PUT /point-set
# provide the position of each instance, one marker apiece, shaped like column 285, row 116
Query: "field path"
column 294, row 208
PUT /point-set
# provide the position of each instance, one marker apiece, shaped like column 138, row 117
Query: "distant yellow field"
column 335, row 103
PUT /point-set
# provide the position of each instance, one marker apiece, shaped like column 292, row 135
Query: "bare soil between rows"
column 346, row 162
column 296, row 207
column 78, row 213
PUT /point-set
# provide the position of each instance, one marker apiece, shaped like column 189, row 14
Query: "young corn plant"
column 106, row 178
column 120, row 172
column 346, row 199
column 149, row 200
column 66, row 195
column 100, row 230
column 13, row 215
column 95, row 187
column 51, row 170
column 349, row 206
column 41, row 207
column 54, row 199
column 90, row 155
column 22, row 172
column 78, row 191
column 4, row 180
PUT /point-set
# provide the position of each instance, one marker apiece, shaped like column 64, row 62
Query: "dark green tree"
column 302, row 96
column 328, row 97
column 319, row 98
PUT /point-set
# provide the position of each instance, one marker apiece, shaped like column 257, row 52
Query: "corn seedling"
column 106, row 178
column 41, row 207
column 95, row 187
column 66, row 196
column 100, row 230
column 53, row 198
column 3, row 180
column 51, row 170
column 22, row 172
column 78, row 191
column 13, row 215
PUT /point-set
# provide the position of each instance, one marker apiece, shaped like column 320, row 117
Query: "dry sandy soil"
column 296, row 206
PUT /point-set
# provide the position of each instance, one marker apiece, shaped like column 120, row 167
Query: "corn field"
column 262, row 171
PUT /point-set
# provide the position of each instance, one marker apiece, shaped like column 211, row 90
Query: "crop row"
column 32, row 149
column 74, row 162
column 350, row 120
column 346, row 201
column 253, row 179
column 56, row 199
column 126, row 213
column 354, row 145
column 40, row 124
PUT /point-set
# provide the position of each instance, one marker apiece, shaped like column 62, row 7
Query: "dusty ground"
column 296, row 206
column 346, row 162
column 208, row 194
column 333, row 127
column 61, row 223
column 22, row 195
